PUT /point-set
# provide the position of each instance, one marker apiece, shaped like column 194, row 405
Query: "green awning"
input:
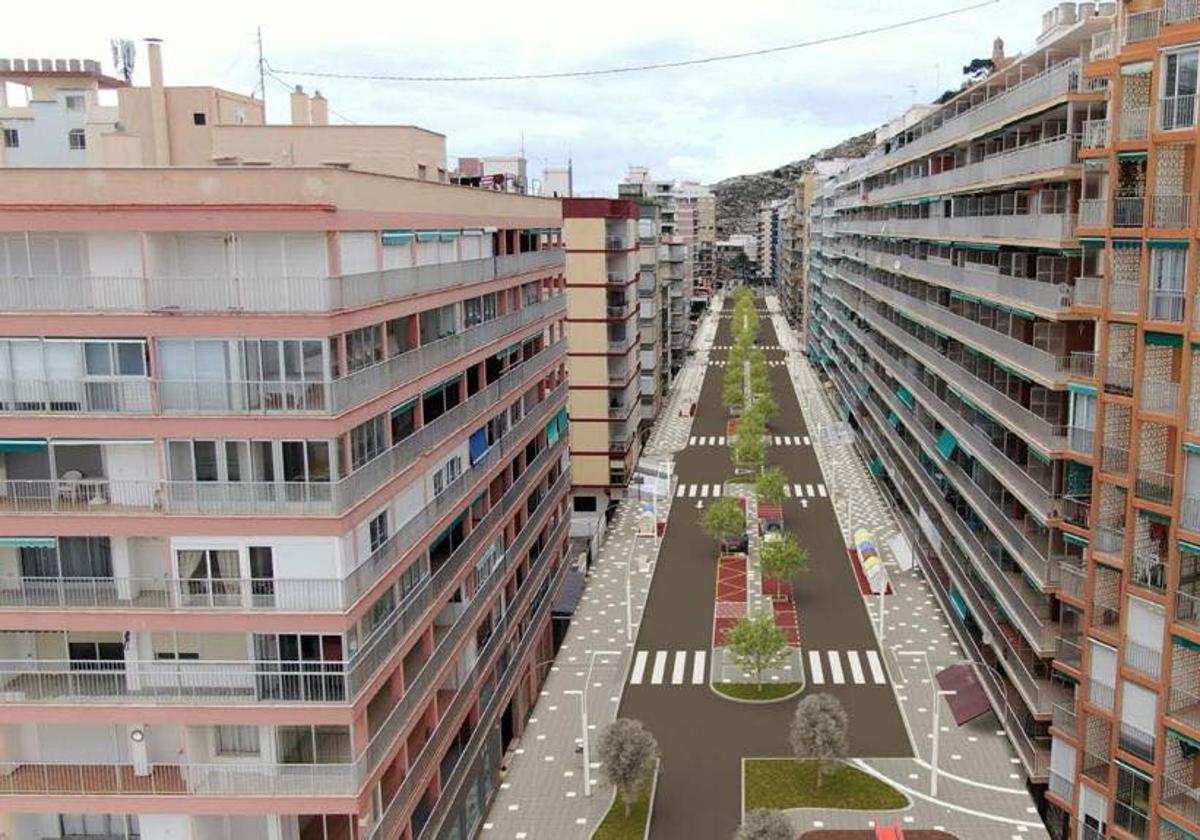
column 552, row 432
column 1020, row 313
column 561, row 419
column 21, row 445
column 906, row 397
column 1069, row 252
column 28, row 542
column 428, row 235
column 1076, row 388
column 1131, row 155
column 1091, row 240
column 397, row 237
column 958, row 604
column 442, row 385
column 403, row 406
column 978, row 246
column 1191, row 447
column 1184, row 545
column 876, row 467
column 1045, row 459
column 448, row 235
column 1182, row 832
column 946, row 444
column 893, row 420
column 1185, row 643
column 961, row 296
column 1127, row 243
column 1176, row 244
column 1074, row 540
column 1158, row 339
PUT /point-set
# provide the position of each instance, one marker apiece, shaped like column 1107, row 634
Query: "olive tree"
column 771, row 486
column 627, row 754
column 764, row 824
column 820, row 731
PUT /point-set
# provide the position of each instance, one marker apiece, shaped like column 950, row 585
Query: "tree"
column 723, row 520
column 627, row 754
column 764, row 824
column 764, row 403
column 733, row 388
column 749, row 449
column 782, row 558
column 771, row 486
column 819, row 730
column 757, row 644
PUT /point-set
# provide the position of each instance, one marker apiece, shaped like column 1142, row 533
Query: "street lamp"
column 938, row 694
column 583, row 718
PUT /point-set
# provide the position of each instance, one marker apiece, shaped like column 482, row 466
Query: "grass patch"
column 787, row 783
column 749, row 691
column 617, row 826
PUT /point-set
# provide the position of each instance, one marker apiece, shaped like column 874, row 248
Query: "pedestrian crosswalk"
column 669, row 667
column 702, row 491
column 776, row 440
column 825, row 667
column 805, row 491
column 720, row 363
column 706, row 440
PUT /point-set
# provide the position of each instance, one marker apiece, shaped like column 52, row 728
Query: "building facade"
column 956, row 317
column 285, row 499
column 604, row 359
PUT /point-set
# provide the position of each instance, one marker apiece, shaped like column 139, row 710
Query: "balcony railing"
column 1088, row 291
column 1166, row 305
column 1148, row 570
column 1114, row 459
column 1135, row 123
column 1095, row 134
column 1063, row 718
column 1083, row 365
column 1100, row 694
column 258, row 294
column 1135, row 740
column 1123, row 297
column 1159, row 395
column 1187, row 609
column 1142, row 26
column 1143, row 659
column 1093, row 212
column 1069, row 652
column 1181, row 799
column 1154, row 485
column 1072, row 581
column 1108, row 539
column 1184, row 705
column 1129, row 211
column 1180, row 11
column 1101, row 46
column 1080, row 440
column 93, row 395
column 1062, row 787
column 1170, row 211
column 290, row 594
column 1177, row 112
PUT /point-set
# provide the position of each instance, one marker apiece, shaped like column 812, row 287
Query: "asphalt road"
column 703, row 737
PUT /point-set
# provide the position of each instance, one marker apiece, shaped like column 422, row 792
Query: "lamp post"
column 938, row 694
column 583, row 718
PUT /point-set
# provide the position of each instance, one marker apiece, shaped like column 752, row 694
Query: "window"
column 479, row 310
column 438, row 323
column 377, row 530
column 367, row 442
column 412, row 578
column 363, row 348
column 1168, row 276
column 421, row 171
column 76, row 140
column 12, row 138
column 404, row 421
column 114, row 358
column 313, row 744
column 585, row 504
column 529, row 293
column 447, row 475
column 236, row 740
column 199, row 118
column 74, row 101
column 1177, row 104
column 101, row 826
column 209, row 577
column 384, row 605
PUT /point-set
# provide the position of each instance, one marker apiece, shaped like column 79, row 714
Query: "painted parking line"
column 680, row 667
column 815, row 671
column 835, row 668
column 698, row 667
column 639, row 667
column 660, row 667
column 877, row 672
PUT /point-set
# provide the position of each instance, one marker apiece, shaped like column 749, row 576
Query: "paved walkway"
column 542, row 795
column 981, row 790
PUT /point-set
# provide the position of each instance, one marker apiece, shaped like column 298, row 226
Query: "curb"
column 649, row 807
column 713, row 688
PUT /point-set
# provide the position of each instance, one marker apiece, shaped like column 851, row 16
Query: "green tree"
column 733, row 389
column 749, row 450
column 820, row 730
column 627, row 753
column 764, row 404
column 771, row 486
column 756, row 644
column 782, row 558
column 764, row 824
column 723, row 520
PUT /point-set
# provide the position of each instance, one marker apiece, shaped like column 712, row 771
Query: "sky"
column 703, row 122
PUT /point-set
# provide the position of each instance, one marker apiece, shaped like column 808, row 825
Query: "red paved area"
column 785, row 619
column 776, row 588
column 855, row 834
column 730, row 596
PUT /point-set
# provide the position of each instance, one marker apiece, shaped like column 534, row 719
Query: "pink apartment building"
column 283, row 469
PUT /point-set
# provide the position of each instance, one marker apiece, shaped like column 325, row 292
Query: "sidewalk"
column 981, row 790
column 542, row 796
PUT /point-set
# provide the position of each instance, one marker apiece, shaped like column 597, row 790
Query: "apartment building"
column 284, row 463
column 770, row 223
column 654, row 316
column 603, row 265
column 956, row 316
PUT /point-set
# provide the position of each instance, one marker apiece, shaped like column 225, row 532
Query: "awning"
column 876, row 467
column 1136, row 68
column 28, row 542
column 562, row 420
column 958, row 604
column 1127, row 243
column 1184, row 545
column 1091, row 240
column 448, row 235
column 978, row 246
column 1164, row 339
column 1076, row 388
column 1131, row 155
column 569, row 594
column 946, row 444
column 1074, row 540
column 969, row 700
column 1191, row 447
column 397, row 237
column 21, row 445
column 1186, row 643
column 552, row 431
column 893, row 420
column 427, row 235
column 477, row 445
column 906, row 398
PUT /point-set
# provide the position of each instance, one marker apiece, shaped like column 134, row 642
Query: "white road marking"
column 787, row 491
column 777, row 440
column 809, row 488
column 807, row 442
column 639, row 667
column 698, row 667
column 660, row 666
column 717, row 490
column 721, row 440
column 799, row 491
column 680, row 667
column 821, row 490
column 692, row 440
column 835, row 668
column 703, row 491
column 691, row 490
column 856, row 670
column 877, row 672
column 682, row 489
column 814, row 667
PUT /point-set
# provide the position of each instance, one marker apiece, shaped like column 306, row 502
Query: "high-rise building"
column 285, row 472
column 603, row 265
column 958, row 317
column 653, row 315
column 768, row 238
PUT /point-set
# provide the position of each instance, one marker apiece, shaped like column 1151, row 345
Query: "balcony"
column 1134, row 123
column 1095, row 132
column 1159, row 395
column 94, row 395
column 1080, row 440
column 1068, row 652
column 1184, row 705
column 1100, row 694
column 1088, row 291
column 1072, row 581
column 615, row 243
column 1143, row 659
column 1129, row 211
column 1176, row 113
column 1142, row 26
column 1062, row 787
column 1154, row 485
column 1083, row 365
column 213, row 293
column 1170, row 211
column 1148, row 570
column 1181, row 11
column 1118, row 378
column 1093, row 212
column 1063, row 718
column 1181, row 799
column 1114, row 459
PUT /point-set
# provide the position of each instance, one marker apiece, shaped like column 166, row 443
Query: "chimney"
column 300, row 115
column 997, row 54
column 154, row 52
column 319, row 109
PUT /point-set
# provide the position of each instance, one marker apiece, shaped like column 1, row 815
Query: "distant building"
column 501, row 173
column 557, row 182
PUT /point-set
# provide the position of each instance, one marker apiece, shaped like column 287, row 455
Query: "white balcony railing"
column 1093, row 212
column 1170, row 211
column 1134, row 122
column 1095, row 134
column 1180, row 11
column 1177, row 112
column 1159, row 395
column 1142, row 26
column 1101, row 46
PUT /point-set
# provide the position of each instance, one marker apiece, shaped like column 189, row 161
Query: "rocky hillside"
column 738, row 197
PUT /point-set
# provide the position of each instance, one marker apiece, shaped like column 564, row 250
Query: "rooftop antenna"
column 262, row 74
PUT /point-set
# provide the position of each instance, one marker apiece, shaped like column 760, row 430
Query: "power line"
column 638, row 68
column 290, row 88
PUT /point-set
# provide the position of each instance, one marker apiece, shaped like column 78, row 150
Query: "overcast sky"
column 704, row 122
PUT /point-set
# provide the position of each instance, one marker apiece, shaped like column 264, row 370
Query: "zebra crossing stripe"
column 660, row 667
column 809, row 488
column 698, row 667
column 703, row 491
column 721, row 440
column 814, row 667
column 639, row 667
column 821, row 490
column 777, row 440
column 807, row 442
column 799, row 491
column 692, row 440
column 876, row 667
column 787, row 491
column 682, row 489
column 717, row 490
column 691, row 491
column 856, row 670
column 680, row 666
column 835, row 668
